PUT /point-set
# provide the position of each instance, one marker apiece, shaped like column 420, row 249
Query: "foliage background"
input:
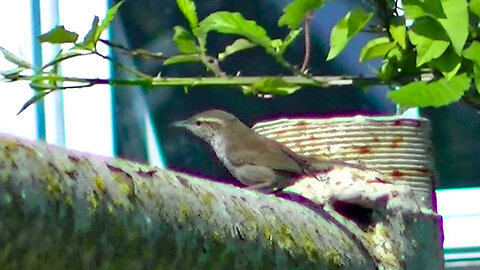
column 149, row 24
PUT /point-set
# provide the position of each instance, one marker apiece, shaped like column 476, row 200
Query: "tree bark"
column 63, row 209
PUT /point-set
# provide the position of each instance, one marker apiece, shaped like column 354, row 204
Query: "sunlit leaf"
column 437, row 93
column 346, row 29
column 377, row 47
column 472, row 53
column 233, row 23
column 89, row 40
column 292, row 35
column 58, row 35
column 38, row 96
column 399, row 32
column 476, row 77
column 448, row 64
column 429, row 39
column 272, row 85
column 184, row 41
column 15, row 59
column 474, row 7
column 97, row 29
column 456, row 22
column 238, row 45
column 187, row 7
column 183, row 58
column 415, row 9
column 294, row 12
column 12, row 72
column 108, row 19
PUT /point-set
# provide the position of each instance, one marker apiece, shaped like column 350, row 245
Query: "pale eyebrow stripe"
column 210, row 120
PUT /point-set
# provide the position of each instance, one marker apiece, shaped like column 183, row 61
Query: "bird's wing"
column 267, row 153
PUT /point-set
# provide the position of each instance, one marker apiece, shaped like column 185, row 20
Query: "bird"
column 256, row 161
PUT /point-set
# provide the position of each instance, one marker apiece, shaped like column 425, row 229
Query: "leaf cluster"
column 439, row 38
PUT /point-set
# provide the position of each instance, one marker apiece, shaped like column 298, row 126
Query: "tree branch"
column 84, row 212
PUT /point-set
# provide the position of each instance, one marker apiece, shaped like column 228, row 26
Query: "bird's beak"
column 180, row 124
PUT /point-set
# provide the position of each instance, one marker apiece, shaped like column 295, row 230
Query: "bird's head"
column 208, row 125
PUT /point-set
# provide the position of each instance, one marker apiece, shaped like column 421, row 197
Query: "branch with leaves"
column 440, row 40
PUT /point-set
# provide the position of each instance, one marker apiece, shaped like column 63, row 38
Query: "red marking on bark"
column 72, row 174
column 376, row 139
column 183, row 181
column 73, row 159
column 113, row 168
column 148, row 174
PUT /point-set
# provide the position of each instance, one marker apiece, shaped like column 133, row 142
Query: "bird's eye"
column 198, row 123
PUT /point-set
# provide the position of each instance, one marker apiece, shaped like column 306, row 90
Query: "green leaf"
column 476, row 77
column 89, row 40
column 292, row 35
column 58, row 35
column 415, row 9
column 448, row 64
column 12, row 72
column 472, row 53
column 184, row 41
column 183, row 58
column 456, row 22
column 475, row 7
column 107, row 20
column 233, row 23
column 437, row 93
column 378, row 47
column 187, row 7
column 271, row 85
column 38, row 96
column 238, row 45
column 15, row 59
column 294, row 12
column 429, row 39
column 345, row 29
column 399, row 32
column 96, row 30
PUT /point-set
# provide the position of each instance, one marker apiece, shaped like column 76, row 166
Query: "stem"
column 212, row 64
column 120, row 65
column 322, row 81
column 308, row 45
column 137, row 52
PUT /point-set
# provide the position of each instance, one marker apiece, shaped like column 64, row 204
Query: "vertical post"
column 37, row 63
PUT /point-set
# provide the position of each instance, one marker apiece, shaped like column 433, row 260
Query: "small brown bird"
column 254, row 160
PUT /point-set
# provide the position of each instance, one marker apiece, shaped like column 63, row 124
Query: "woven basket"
column 398, row 147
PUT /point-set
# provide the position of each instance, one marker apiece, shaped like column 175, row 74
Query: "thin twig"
column 137, row 52
column 212, row 64
column 308, row 45
column 120, row 65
